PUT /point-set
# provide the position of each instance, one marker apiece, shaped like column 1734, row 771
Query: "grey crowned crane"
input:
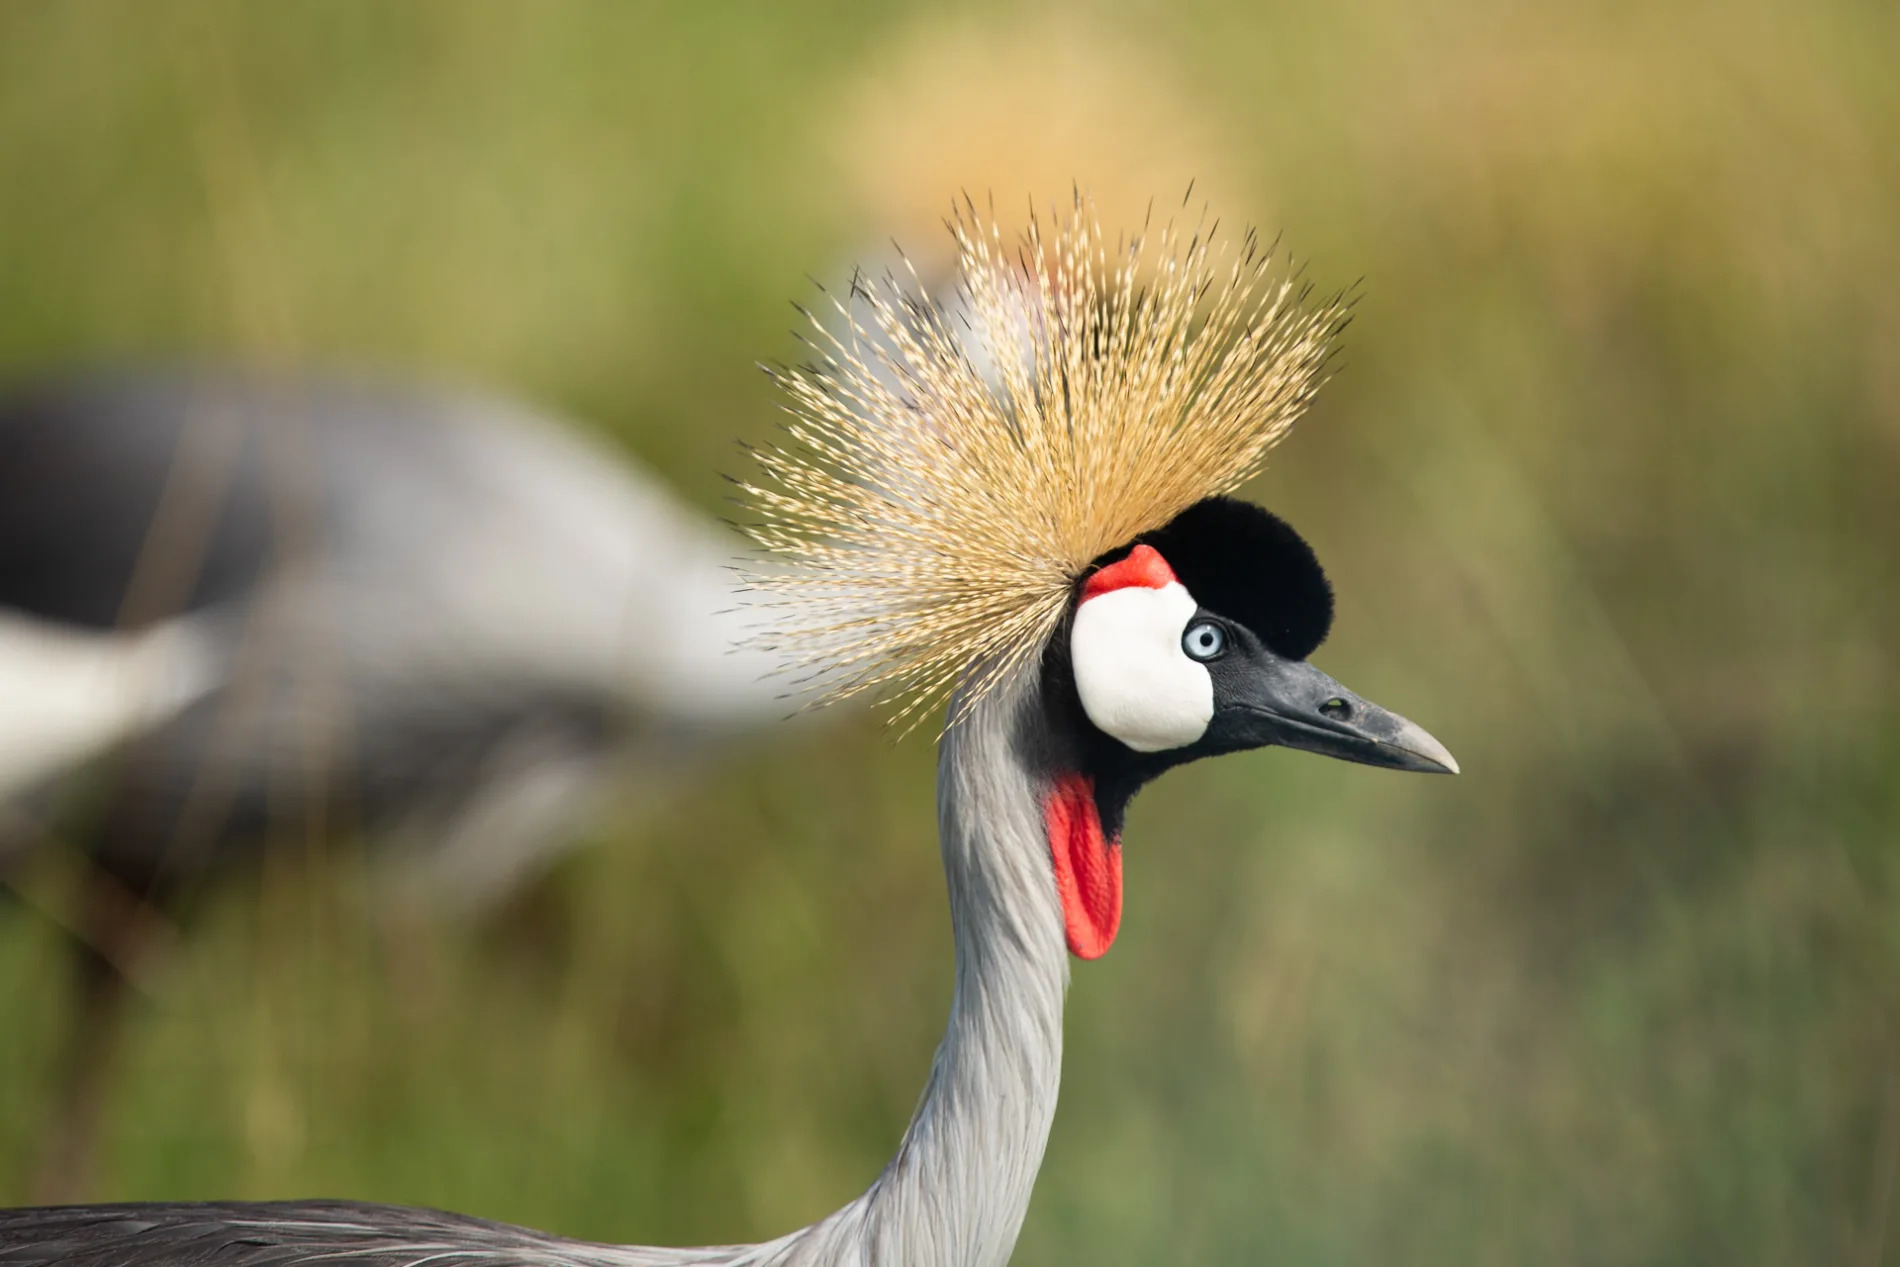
column 247, row 610
column 1051, row 545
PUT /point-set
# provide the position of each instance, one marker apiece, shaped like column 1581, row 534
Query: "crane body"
column 384, row 607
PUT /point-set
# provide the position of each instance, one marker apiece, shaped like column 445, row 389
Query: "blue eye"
column 1204, row 640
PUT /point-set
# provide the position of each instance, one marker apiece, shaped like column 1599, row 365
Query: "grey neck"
column 956, row 1193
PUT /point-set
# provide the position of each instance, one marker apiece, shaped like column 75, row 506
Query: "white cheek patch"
column 1135, row 681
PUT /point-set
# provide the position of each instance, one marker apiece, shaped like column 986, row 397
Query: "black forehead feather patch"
column 1247, row 564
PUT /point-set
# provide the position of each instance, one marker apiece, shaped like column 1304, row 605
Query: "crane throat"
column 1088, row 866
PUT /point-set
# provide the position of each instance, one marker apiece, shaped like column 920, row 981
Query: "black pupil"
column 1204, row 640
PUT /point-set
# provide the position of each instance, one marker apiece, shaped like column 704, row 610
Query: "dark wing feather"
column 84, row 466
column 266, row 1234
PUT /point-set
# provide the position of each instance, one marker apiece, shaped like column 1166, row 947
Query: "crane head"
column 1036, row 482
column 1193, row 641
column 1189, row 642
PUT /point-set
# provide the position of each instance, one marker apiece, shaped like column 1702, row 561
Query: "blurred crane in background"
column 244, row 612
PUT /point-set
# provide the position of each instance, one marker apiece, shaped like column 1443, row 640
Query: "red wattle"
column 1088, row 867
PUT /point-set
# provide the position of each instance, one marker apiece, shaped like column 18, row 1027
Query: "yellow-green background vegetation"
column 1607, row 485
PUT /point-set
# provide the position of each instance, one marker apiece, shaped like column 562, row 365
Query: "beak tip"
column 1433, row 756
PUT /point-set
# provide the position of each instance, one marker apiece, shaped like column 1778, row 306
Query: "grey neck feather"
column 956, row 1193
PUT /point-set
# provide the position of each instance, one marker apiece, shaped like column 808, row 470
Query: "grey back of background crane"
column 324, row 606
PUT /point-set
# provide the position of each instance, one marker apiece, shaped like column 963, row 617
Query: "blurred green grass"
column 1606, row 487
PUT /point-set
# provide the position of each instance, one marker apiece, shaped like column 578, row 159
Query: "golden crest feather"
column 948, row 475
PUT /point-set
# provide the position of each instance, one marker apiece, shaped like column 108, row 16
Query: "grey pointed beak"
column 1403, row 745
column 1294, row 705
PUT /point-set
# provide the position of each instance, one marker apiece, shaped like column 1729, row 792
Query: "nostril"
column 1336, row 708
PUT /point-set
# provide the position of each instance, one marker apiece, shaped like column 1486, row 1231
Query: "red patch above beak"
column 1144, row 567
column 1088, row 867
